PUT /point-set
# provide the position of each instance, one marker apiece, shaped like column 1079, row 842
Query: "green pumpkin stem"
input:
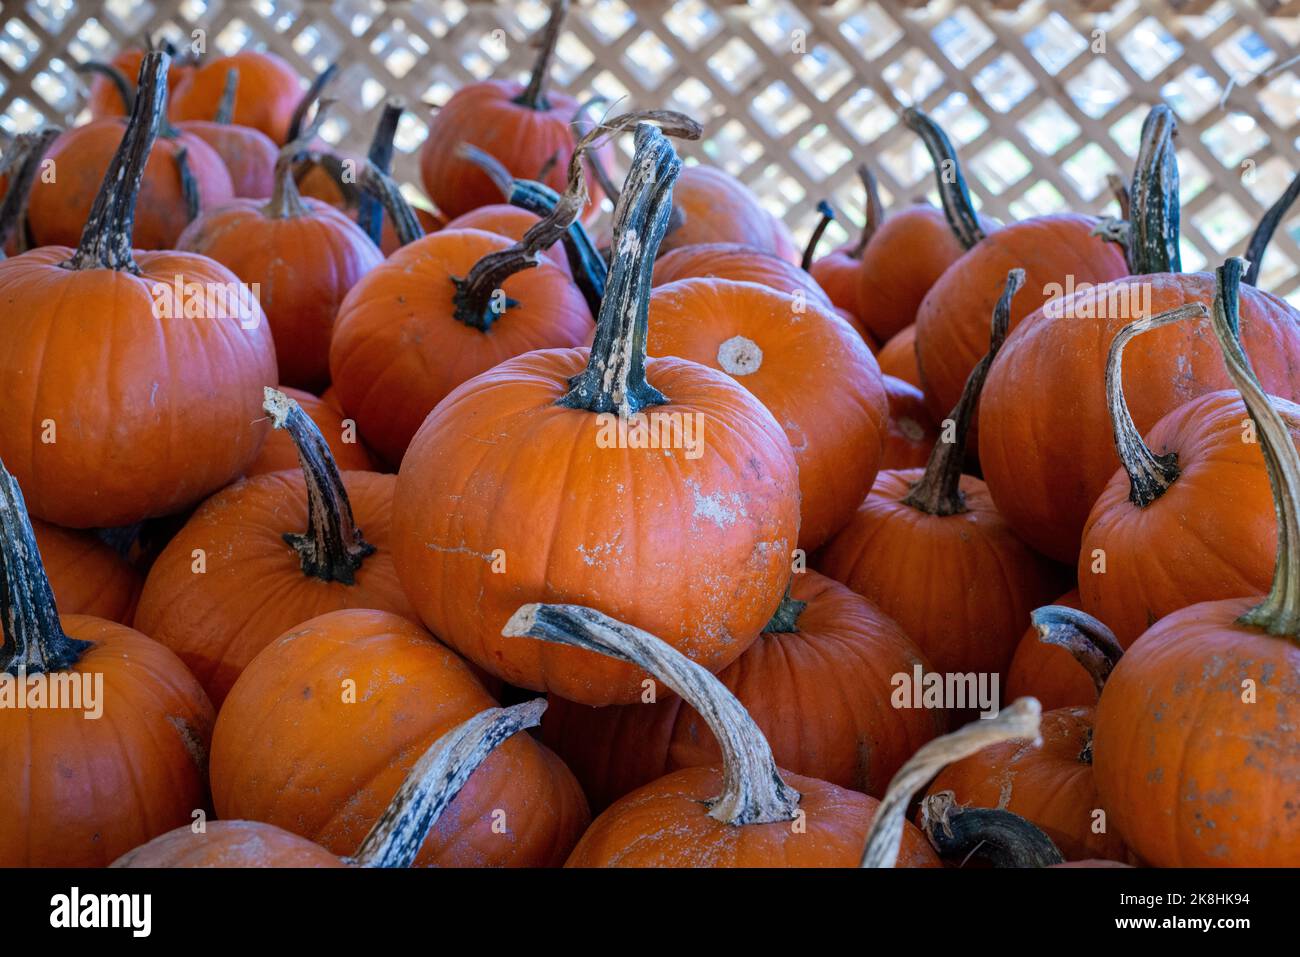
column 1149, row 475
column 1263, row 233
column 938, row 490
column 121, row 83
column 286, row 202
column 435, row 780
column 314, row 92
column 332, row 548
column 753, row 791
column 226, row 105
column 997, row 837
column 370, row 214
column 1092, row 644
column 1279, row 612
column 1153, row 196
column 785, row 620
column 875, row 210
column 22, row 161
column 106, row 240
column 534, row 94
column 957, row 205
column 34, row 639
column 810, row 250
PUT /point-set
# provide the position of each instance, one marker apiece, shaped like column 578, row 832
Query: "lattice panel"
column 1043, row 100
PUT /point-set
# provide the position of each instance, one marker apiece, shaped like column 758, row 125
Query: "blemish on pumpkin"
column 192, row 741
column 714, row 507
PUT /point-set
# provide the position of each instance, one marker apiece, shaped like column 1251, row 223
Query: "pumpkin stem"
column 1279, row 612
column 875, row 210
column 115, row 76
column 314, row 91
column 286, row 202
column 1092, row 644
column 435, row 780
column 22, row 161
column 189, row 185
column 1018, row 720
column 34, row 639
column 379, row 185
column 752, row 791
column 1153, row 220
column 534, row 95
column 370, row 215
column 226, row 105
column 1263, row 234
column 786, row 618
column 106, row 240
column 809, row 251
column 938, row 491
column 1149, row 475
column 957, row 205
column 997, row 837
column 1119, row 189
column 598, row 171
column 332, row 548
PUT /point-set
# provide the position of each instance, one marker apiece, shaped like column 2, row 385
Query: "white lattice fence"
column 1043, row 100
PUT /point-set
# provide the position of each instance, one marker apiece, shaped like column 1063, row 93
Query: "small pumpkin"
column 112, row 84
column 1048, row 671
column 738, row 262
column 712, row 206
column 511, row 222
column 912, row 432
column 269, row 92
column 88, row 576
column 897, row 357
column 837, row 271
column 248, row 154
column 279, row 453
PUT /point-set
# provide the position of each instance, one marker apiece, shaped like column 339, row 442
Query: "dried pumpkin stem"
column 435, row 780
column 34, row 639
column 1279, row 612
column 1119, row 189
column 382, row 187
column 226, row 105
column 810, row 251
column 1263, row 234
column 332, row 548
column 598, row 171
column 534, row 94
column 997, row 837
column 1017, row 720
column 785, row 620
column 938, row 490
column 189, row 184
column 106, row 240
column 314, row 91
column 957, row 205
column 370, row 214
column 114, row 76
column 752, row 792
column 1153, row 220
column 875, row 210
column 1093, row 645
column 1149, row 475
column 27, row 153
column 286, row 202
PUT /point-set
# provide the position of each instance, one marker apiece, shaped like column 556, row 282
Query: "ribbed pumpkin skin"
column 524, row 140
column 816, row 377
column 268, row 92
column 1047, row 445
column 398, row 349
column 58, row 210
column 897, row 358
column 961, row 586
column 820, row 695
column 1212, row 535
column 78, row 792
column 1191, row 775
column 1049, row 672
column 305, row 265
column 279, row 453
column 511, row 222
column 248, row 154
column 229, row 844
column 254, row 587
column 177, row 411
column 912, row 433
column 1049, row 784
column 739, row 262
column 289, row 751
column 718, row 208
column 952, row 322
column 695, row 551
column 666, row 824
column 88, row 577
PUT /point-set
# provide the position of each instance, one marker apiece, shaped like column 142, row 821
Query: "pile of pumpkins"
column 690, row 503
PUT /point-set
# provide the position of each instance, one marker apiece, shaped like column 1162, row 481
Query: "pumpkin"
column 837, row 272
column 394, row 841
column 511, row 222
column 811, row 371
column 912, row 433
column 111, row 88
column 1048, row 671
column 693, row 541
column 930, row 550
column 1046, row 440
column 248, row 153
column 79, row 791
column 897, row 357
column 302, row 255
column 738, row 813
column 239, row 572
column 269, row 92
column 280, row 453
column 1189, row 515
column 170, row 422
column 989, row 836
column 1195, row 755
column 738, row 262
column 712, row 206
column 816, row 683
column 524, row 127
column 950, row 321
column 88, row 577
column 295, row 748
column 19, row 165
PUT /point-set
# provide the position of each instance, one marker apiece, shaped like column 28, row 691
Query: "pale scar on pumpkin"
column 192, row 741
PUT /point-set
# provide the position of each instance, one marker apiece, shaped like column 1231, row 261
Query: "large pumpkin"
column 173, row 350
column 269, row 92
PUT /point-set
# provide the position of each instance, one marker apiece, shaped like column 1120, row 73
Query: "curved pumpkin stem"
column 22, row 161
column 752, row 791
column 121, row 83
column 106, row 240
column 286, row 202
column 998, row 837
column 1017, row 720
column 1279, row 612
column 34, row 639
column 938, row 491
column 314, row 91
column 957, row 205
column 332, row 548
column 598, row 171
column 370, row 214
column 875, row 210
column 1153, row 221
column 785, row 620
column 1263, row 233
column 435, row 780
column 1093, row 645
column 1119, row 189
column 534, row 94
column 1149, row 475
column 226, row 105
column 379, row 186
column 809, row 251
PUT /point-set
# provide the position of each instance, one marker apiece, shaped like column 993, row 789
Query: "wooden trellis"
column 1043, row 100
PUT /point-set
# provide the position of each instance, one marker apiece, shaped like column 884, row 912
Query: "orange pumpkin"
column 511, row 222
column 112, row 89
column 912, row 433
column 1049, row 672
column 340, row 433
column 837, row 272
column 88, row 576
column 712, row 206
column 897, row 357
column 269, row 92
